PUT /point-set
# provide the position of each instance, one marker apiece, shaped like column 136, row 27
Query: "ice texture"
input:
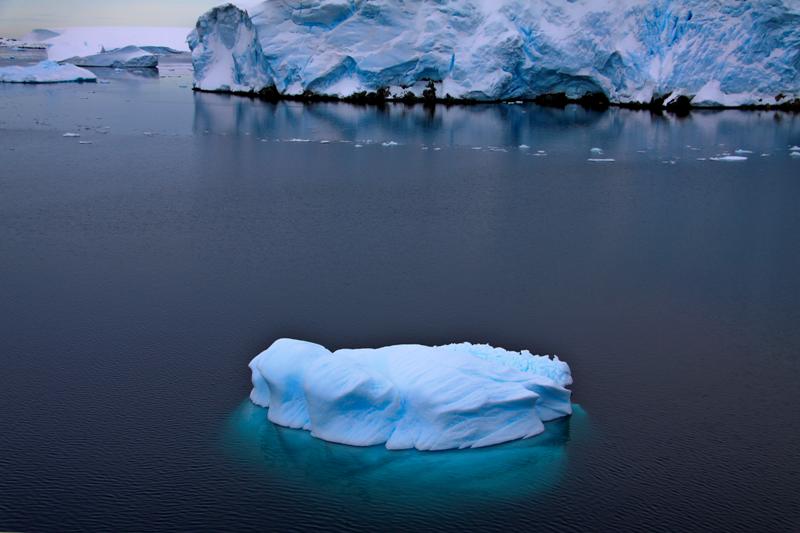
column 226, row 53
column 45, row 72
column 127, row 57
column 719, row 52
column 411, row 396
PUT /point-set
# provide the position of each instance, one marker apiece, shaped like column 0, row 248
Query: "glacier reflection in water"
column 510, row 471
column 624, row 134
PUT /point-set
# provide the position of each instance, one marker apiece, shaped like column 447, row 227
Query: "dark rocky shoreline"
column 595, row 101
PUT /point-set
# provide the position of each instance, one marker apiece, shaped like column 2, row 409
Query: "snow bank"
column 411, row 396
column 45, row 72
column 731, row 53
column 82, row 42
column 226, row 53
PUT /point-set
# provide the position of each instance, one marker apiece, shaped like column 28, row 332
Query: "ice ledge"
column 45, row 72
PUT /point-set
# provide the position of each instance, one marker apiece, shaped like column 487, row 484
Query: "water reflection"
column 117, row 74
column 507, row 472
column 619, row 131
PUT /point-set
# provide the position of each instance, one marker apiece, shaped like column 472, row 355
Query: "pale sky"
column 18, row 17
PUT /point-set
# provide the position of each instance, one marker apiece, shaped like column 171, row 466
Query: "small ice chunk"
column 523, row 147
column 794, row 148
column 389, row 143
column 601, row 160
column 296, row 140
column 84, row 142
column 794, row 154
column 729, row 158
column 596, row 150
column 71, row 134
column 741, row 151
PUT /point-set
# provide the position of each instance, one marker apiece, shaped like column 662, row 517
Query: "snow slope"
column 127, row 57
column 410, row 396
column 729, row 52
column 45, row 72
column 78, row 42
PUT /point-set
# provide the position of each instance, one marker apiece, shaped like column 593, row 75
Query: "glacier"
column 712, row 53
column 45, row 72
column 226, row 53
column 411, row 396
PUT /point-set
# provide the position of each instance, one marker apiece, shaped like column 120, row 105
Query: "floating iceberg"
column 85, row 42
column 45, row 72
column 635, row 51
column 127, row 57
column 411, row 396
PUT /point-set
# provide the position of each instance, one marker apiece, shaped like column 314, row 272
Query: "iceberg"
column 76, row 44
column 45, row 72
column 655, row 52
column 226, row 53
column 411, row 396
column 127, row 57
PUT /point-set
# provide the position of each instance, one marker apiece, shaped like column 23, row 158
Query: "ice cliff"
column 226, row 53
column 721, row 52
column 411, row 396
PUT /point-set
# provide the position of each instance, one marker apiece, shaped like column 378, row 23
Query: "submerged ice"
column 411, row 396
column 717, row 52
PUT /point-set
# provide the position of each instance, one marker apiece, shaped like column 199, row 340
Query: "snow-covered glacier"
column 720, row 52
column 411, row 396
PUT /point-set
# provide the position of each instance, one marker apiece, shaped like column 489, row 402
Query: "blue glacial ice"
column 411, row 396
column 718, row 52
column 45, row 72
column 226, row 53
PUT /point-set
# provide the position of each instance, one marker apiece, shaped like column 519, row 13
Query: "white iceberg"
column 127, row 57
column 411, row 396
column 629, row 51
column 88, row 41
column 45, row 72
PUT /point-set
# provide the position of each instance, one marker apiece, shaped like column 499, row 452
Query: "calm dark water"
column 140, row 274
